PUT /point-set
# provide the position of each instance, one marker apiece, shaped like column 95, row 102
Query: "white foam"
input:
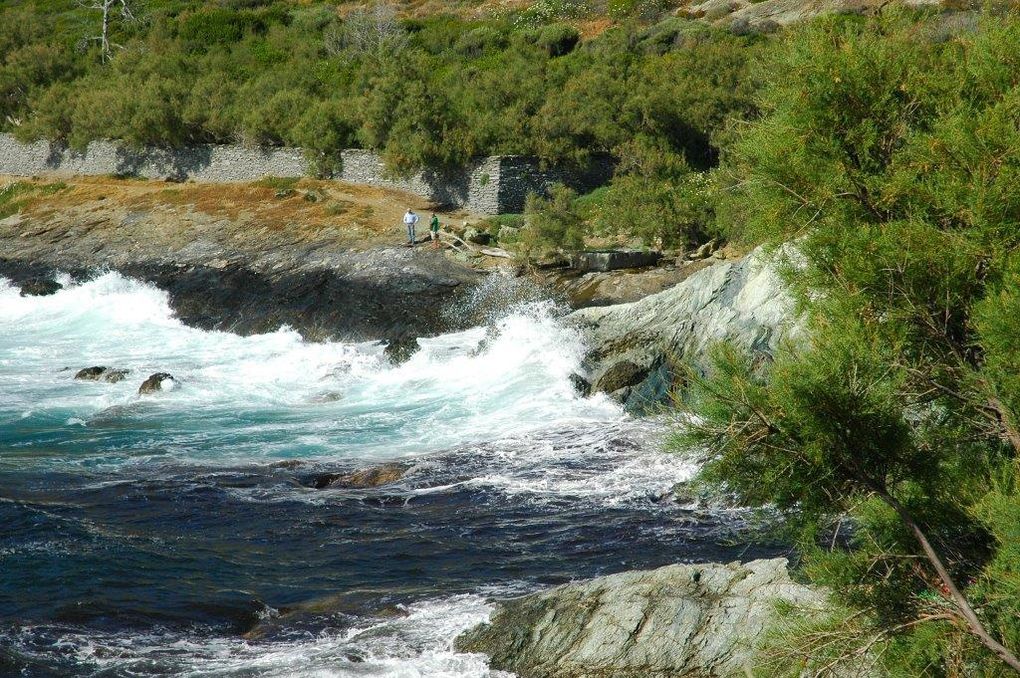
column 276, row 394
column 417, row 645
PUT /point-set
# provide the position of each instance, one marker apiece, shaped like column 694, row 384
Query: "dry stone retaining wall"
column 493, row 185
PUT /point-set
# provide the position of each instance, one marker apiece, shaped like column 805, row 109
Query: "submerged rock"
column 160, row 381
column 679, row 620
column 101, row 373
column 635, row 346
column 373, row 476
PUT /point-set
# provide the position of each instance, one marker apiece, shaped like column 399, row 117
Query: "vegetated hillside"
column 427, row 90
column 428, row 84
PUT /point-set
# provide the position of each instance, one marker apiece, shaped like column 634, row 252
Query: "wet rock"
column 580, row 384
column 679, row 620
column 40, row 287
column 100, row 373
column 373, row 476
column 160, row 381
column 400, row 350
column 610, row 260
column 620, row 375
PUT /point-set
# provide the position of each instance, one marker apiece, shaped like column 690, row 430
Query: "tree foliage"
column 889, row 157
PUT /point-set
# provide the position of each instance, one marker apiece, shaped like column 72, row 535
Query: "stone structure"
column 678, row 620
column 493, row 185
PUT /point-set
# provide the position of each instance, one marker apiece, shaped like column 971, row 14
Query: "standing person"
column 410, row 220
column 434, row 230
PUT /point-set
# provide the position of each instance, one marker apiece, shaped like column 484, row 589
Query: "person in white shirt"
column 410, row 220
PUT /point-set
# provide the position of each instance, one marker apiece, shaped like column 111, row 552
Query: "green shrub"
column 558, row 39
column 552, row 223
column 475, row 42
column 215, row 25
column 889, row 157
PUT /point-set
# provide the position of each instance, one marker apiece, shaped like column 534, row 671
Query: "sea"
column 190, row 533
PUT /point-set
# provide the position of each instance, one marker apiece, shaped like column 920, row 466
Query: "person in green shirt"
column 434, row 228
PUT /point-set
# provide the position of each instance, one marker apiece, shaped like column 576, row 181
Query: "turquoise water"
column 180, row 533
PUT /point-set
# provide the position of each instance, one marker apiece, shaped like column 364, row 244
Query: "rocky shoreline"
column 677, row 620
column 225, row 277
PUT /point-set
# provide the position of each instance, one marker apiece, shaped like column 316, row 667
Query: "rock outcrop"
column 678, row 620
column 611, row 260
column 635, row 347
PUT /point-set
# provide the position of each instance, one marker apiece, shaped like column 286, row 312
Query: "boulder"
column 160, row 381
column 743, row 302
column 611, row 260
column 620, row 375
column 678, row 620
column 40, row 287
column 100, row 373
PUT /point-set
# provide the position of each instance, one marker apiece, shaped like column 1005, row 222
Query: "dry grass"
column 361, row 214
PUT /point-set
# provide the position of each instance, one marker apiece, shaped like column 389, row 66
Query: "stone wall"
column 493, row 185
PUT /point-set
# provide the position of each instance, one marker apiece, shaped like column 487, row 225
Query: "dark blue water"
column 183, row 533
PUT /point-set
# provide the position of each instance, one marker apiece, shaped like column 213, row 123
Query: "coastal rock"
column 160, row 381
column 100, row 373
column 678, row 620
column 372, row 476
column 400, row 349
column 40, row 287
column 582, row 290
column 610, row 260
column 743, row 302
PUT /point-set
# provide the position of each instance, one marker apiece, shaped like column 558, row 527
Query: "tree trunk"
column 973, row 623
column 105, row 38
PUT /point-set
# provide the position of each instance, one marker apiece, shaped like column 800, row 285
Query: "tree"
column 890, row 157
column 107, row 10
column 373, row 32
